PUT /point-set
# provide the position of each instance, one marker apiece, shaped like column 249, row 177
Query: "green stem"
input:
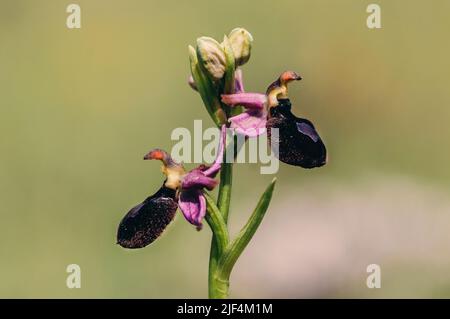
column 213, row 261
column 217, row 288
column 223, row 255
column 226, row 181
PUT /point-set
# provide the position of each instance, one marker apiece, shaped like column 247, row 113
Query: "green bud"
column 230, row 66
column 207, row 90
column 211, row 56
column 241, row 43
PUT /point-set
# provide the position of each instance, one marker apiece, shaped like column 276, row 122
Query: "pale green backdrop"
column 79, row 109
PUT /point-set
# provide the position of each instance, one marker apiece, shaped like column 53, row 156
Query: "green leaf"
column 217, row 224
column 235, row 249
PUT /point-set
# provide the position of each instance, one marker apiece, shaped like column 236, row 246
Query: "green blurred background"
column 79, row 109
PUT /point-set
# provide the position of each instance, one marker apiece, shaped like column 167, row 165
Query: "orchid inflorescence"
column 216, row 75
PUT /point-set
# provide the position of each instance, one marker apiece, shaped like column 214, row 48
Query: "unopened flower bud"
column 241, row 43
column 211, row 56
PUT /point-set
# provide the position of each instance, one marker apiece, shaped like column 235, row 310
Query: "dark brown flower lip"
column 298, row 143
column 145, row 222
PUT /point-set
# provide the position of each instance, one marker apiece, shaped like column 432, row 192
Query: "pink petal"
column 215, row 167
column 247, row 100
column 238, row 82
column 197, row 179
column 192, row 204
column 250, row 123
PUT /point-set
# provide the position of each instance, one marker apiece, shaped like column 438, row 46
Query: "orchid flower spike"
column 145, row 222
column 298, row 142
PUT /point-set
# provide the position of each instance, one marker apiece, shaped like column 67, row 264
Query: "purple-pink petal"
column 197, row 179
column 247, row 100
column 215, row 167
column 238, row 82
column 251, row 123
column 192, row 204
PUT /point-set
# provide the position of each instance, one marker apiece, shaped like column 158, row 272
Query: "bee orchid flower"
column 299, row 144
column 145, row 222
